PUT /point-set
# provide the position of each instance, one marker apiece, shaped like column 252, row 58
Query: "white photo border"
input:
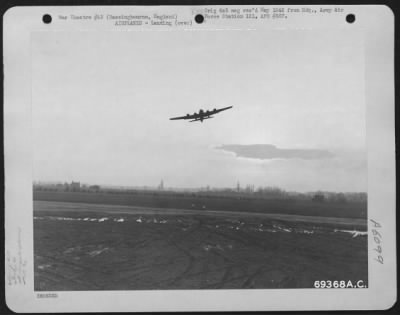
column 374, row 22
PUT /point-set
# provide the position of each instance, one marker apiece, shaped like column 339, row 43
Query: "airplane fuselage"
column 201, row 113
column 204, row 114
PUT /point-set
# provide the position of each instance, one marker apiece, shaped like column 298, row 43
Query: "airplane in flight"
column 201, row 115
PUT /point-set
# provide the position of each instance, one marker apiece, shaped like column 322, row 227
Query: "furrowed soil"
column 81, row 246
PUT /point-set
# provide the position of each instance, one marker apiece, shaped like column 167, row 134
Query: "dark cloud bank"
column 269, row 151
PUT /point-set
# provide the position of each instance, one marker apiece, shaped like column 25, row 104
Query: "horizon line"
column 206, row 187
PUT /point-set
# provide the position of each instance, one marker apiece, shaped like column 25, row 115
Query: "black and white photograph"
column 169, row 157
column 136, row 188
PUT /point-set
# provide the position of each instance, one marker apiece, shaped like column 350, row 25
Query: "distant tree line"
column 248, row 192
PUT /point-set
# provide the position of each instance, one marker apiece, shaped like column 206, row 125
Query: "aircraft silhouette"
column 201, row 115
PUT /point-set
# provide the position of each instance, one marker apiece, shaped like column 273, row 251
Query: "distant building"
column 75, row 186
column 249, row 189
column 318, row 197
column 94, row 188
column 161, row 186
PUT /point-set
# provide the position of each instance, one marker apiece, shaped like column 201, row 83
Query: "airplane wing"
column 194, row 116
column 215, row 111
column 205, row 114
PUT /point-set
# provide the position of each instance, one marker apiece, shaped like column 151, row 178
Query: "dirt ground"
column 82, row 247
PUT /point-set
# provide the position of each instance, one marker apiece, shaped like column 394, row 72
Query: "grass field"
column 81, row 246
column 283, row 206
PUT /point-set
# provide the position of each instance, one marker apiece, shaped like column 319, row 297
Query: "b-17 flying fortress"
column 201, row 115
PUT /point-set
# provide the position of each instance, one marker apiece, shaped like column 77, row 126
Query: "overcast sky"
column 102, row 103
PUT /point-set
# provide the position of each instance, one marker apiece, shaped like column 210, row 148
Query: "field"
column 218, row 203
column 87, row 246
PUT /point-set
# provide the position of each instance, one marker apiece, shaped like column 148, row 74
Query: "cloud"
column 269, row 151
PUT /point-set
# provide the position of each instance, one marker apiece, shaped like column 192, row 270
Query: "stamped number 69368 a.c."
column 338, row 284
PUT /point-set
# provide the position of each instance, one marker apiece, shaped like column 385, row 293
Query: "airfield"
column 89, row 246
